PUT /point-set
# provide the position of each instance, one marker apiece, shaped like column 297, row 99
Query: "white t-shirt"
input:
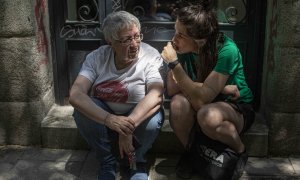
column 121, row 89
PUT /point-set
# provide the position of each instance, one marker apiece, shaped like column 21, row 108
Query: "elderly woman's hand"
column 125, row 145
column 169, row 54
column 121, row 124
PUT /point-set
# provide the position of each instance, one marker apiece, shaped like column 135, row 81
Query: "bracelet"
column 106, row 117
column 172, row 65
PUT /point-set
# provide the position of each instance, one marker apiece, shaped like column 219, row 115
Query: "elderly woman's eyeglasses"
column 137, row 38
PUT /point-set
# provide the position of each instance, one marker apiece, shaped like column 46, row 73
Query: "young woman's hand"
column 231, row 90
column 169, row 54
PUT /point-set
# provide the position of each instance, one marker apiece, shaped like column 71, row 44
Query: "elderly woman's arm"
column 80, row 100
column 143, row 110
column 149, row 104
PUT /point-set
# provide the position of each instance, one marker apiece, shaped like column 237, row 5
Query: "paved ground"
column 31, row 163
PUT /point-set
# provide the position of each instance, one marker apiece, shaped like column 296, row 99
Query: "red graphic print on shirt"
column 113, row 91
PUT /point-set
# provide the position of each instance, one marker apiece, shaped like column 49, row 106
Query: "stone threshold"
column 59, row 131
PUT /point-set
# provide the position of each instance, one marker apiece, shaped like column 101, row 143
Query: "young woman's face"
column 183, row 43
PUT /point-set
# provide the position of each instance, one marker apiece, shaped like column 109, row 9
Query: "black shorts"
column 247, row 111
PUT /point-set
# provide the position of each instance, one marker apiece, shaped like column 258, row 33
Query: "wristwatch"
column 172, row 65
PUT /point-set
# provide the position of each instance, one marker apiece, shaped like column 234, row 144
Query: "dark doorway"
column 75, row 31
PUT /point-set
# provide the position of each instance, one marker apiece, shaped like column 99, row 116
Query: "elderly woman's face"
column 128, row 44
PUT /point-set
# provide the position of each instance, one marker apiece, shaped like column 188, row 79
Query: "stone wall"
column 281, row 77
column 26, row 79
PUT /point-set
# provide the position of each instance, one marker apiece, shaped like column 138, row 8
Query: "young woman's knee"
column 179, row 102
column 209, row 118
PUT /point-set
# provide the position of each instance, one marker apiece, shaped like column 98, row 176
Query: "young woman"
column 206, row 82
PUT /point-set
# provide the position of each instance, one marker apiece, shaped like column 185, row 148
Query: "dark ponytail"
column 206, row 4
column 201, row 23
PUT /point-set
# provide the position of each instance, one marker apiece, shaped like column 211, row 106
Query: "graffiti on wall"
column 42, row 42
column 116, row 5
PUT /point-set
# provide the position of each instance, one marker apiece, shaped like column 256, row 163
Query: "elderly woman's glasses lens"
column 137, row 38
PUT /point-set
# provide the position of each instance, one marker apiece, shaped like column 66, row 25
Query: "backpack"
column 212, row 159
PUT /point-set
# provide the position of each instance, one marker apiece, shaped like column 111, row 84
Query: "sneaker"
column 240, row 166
column 124, row 170
column 184, row 167
column 141, row 171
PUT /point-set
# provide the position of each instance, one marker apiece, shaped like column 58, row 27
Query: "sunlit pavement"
column 18, row 162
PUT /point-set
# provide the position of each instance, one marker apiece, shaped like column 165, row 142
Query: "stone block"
column 284, row 134
column 296, row 164
column 288, row 23
column 21, row 122
column 275, row 167
column 11, row 154
column 17, row 18
column 25, row 73
column 58, row 155
column 27, row 169
column 282, row 83
column 59, row 129
column 90, row 167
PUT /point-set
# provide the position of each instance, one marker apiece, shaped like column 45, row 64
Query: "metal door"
column 75, row 28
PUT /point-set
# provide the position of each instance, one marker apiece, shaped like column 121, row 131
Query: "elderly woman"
column 117, row 96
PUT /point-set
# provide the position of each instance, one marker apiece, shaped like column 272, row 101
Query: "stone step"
column 255, row 139
column 60, row 132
